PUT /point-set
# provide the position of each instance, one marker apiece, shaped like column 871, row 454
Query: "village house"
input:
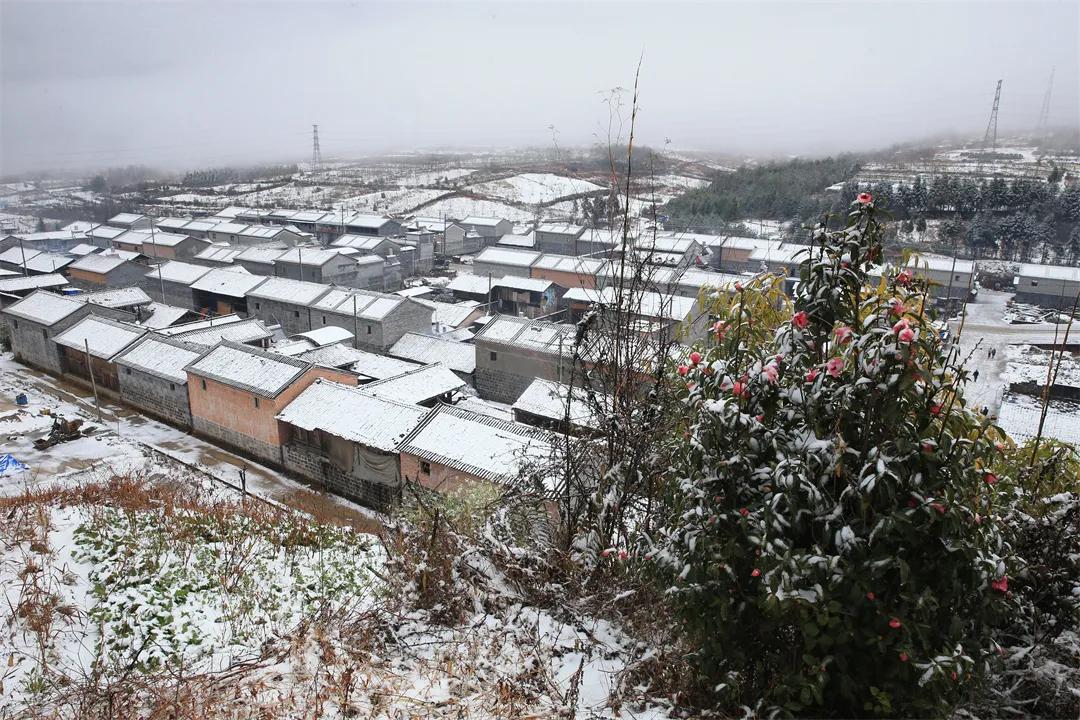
column 103, row 235
column 426, row 349
column 223, row 291
column 217, row 255
column 132, row 300
column 84, row 249
column 423, row 244
column 498, row 262
column 35, row 320
column 472, row 287
column 778, row 260
column 511, row 352
column 732, row 254
column 231, row 328
column 152, row 377
column 347, row 440
column 517, row 242
column 661, row 315
column 497, row 451
column 568, row 271
column 676, row 252
column 319, row 265
column 130, row 221
column 488, row 228
column 236, row 233
column 14, row 287
column 285, row 302
column 544, row 405
column 457, row 241
column 236, row 393
column 89, row 346
column 108, row 269
column 259, row 259
column 530, row 297
column 297, row 344
column 163, row 245
column 453, row 316
column 387, row 248
column 377, row 320
column 170, row 282
column 1052, row 286
column 367, row 366
column 560, row 238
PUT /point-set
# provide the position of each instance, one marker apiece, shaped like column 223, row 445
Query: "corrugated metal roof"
column 418, row 385
column 178, row 272
column 105, row 336
column 495, row 450
column 20, row 283
column 241, row 366
column 118, row 297
column 45, row 308
column 104, row 262
column 162, row 357
column 299, row 292
column 233, row 282
column 352, row 415
column 506, row 256
column 457, row 356
column 548, row 400
column 241, row 331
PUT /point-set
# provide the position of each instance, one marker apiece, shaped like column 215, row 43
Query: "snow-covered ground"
column 465, row 206
column 534, row 188
column 389, row 201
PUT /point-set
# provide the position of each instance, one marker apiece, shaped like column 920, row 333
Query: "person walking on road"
column 975, row 375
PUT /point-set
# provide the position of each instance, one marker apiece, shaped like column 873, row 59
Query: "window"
column 296, row 313
column 368, row 329
column 256, row 402
column 203, row 384
column 323, row 319
column 44, row 333
column 1034, row 283
column 957, row 277
column 172, row 386
column 15, row 324
column 256, row 306
column 127, row 371
column 425, row 467
column 493, row 356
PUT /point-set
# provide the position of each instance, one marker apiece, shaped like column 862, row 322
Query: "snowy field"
column 389, row 201
column 534, row 188
column 464, row 206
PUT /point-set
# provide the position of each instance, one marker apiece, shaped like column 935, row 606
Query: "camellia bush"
column 833, row 542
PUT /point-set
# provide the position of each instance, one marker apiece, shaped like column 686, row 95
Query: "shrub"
column 833, row 543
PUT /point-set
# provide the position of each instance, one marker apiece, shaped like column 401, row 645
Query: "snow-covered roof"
column 361, row 242
column 172, row 223
column 1050, row 272
column 506, row 256
column 101, row 263
column 571, row 264
column 45, row 308
column 200, row 324
column 416, row 292
column 548, row 400
column 666, row 244
column 348, row 413
column 219, row 253
column 522, row 283
column 561, row 229
column 83, row 249
column 788, row 254
column 118, row 297
column 242, row 366
column 534, row 335
column 178, row 272
column 313, row 257
column 497, row 450
column 125, row 218
column 229, row 228
column 48, row 262
column 940, row 263
column 240, row 331
column 298, row 292
column 261, row 254
column 417, row 385
column 15, row 255
column 363, row 220
column 78, row 226
column 162, row 316
column 230, row 212
column 233, row 282
column 471, row 284
column 644, row 303
column 105, row 336
column 161, row 239
column 323, row 336
column 105, row 232
column 370, row 365
column 520, row 241
column 721, row 242
column 20, row 283
column 481, row 221
column 452, row 315
column 200, row 225
column 160, row 356
column 425, row 349
column 369, row 304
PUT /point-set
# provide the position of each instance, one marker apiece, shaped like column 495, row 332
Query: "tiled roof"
column 105, row 336
column 163, row 357
column 458, row 356
column 247, row 368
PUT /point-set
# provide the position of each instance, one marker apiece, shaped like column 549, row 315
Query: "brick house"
column 224, row 290
column 35, row 320
column 377, row 320
column 90, row 345
column 152, row 377
column 285, row 302
column 511, row 352
column 171, row 282
column 347, row 440
column 236, row 392
column 108, row 269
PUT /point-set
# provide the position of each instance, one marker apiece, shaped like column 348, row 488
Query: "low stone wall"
column 237, row 441
column 309, row 462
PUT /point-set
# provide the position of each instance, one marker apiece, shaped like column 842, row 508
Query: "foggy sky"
column 94, row 84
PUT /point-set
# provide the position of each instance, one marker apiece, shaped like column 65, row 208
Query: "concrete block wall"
column 32, row 344
column 238, row 441
column 293, row 318
column 500, row 385
column 309, row 462
column 156, row 396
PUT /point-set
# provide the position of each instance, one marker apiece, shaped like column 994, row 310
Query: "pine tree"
column 833, row 544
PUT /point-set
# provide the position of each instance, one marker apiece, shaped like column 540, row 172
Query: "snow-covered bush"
column 834, row 543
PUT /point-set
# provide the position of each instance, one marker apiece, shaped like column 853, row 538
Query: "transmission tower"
column 316, row 153
column 991, row 127
column 1044, row 114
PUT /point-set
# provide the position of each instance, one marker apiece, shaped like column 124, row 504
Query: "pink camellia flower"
column 1001, row 584
column 739, row 389
column 978, row 519
column 990, row 478
column 623, row 554
column 900, row 326
column 871, row 596
column 759, row 418
column 927, row 447
column 607, row 552
column 770, row 373
column 895, row 623
column 897, row 306
column 755, row 573
column 939, row 507
column 953, row 675
column 865, row 198
column 744, row 512
column 738, row 287
column 935, row 409
column 843, row 333
column 913, row 503
column 904, row 277
column 906, row 335
column 811, row 374
column 835, row 366
column 695, row 358
column 903, row 657
column 720, row 328
column 800, row 319
column 683, row 370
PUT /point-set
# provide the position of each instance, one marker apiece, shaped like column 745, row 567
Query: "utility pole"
column 25, row 272
column 992, row 126
column 355, row 325
column 93, row 382
column 316, row 153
